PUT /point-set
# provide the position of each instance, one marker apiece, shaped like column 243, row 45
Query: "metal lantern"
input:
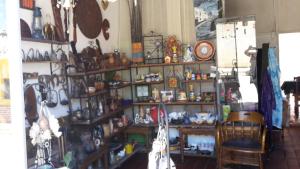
column 37, row 24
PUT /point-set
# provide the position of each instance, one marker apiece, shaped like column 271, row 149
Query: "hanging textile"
column 274, row 73
column 267, row 103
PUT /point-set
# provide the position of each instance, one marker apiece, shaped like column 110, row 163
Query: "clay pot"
column 124, row 59
column 111, row 59
column 99, row 85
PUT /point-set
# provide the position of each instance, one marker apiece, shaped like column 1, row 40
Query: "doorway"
column 289, row 59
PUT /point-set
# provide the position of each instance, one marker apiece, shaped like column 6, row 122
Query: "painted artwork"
column 5, row 115
column 206, row 12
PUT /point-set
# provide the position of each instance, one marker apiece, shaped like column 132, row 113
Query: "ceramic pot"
column 111, row 59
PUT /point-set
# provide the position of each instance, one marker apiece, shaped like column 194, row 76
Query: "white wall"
column 272, row 16
column 117, row 14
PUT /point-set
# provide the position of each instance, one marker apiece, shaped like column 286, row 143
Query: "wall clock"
column 204, row 50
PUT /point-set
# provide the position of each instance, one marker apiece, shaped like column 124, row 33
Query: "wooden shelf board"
column 120, row 162
column 44, row 41
column 200, row 126
column 93, row 157
column 48, row 61
column 200, row 81
column 98, row 71
column 192, row 153
column 102, row 117
column 172, row 64
column 92, row 94
column 120, row 86
column 176, row 103
column 146, row 83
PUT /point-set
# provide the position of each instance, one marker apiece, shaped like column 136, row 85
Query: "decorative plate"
column 89, row 18
column 204, row 50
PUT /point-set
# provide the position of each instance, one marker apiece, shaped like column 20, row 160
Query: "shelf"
column 55, row 62
column 176, row 103
column 171, row 64
column 94, row 156
column 199, row 81
column 44, row 41
column 120, row 130
column 120, row 162
column 146, row 83
column 100, row 118
column 120, row 86
column 92, row 94
column 191, row 153
column 202, row 127
column 98, row 71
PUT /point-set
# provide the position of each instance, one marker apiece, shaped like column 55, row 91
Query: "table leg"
column 296, row 107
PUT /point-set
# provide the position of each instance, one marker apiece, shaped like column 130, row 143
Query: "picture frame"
column 167, row 95
column 142, row 93
column 27, row 4
column 206, row 12
column 153, row 48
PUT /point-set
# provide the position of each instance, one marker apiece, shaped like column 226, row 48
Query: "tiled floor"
column 285, row 155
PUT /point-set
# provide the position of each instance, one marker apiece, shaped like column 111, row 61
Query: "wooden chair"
column 241, row 139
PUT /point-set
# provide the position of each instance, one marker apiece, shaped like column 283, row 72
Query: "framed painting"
column 206, row 12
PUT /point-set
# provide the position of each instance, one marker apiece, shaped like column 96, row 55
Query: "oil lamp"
column 37, row 24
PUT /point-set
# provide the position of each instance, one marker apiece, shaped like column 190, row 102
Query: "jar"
column 193, row 77
column 198, row 76
column 148, row 78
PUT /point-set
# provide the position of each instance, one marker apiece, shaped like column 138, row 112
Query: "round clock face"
column 204, row 50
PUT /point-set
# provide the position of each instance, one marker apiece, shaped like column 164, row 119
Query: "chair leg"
column 261, row 164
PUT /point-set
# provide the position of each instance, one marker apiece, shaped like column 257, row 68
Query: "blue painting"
column 206, row 12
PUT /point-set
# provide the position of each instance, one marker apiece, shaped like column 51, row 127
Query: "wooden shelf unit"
column 171, row 64
column 197, row 129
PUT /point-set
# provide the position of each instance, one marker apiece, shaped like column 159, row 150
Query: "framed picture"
column 142, row 92
column 206, row 12
column 167, row 95
column 153, row 48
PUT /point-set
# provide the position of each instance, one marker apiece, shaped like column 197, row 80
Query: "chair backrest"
column 243, row 125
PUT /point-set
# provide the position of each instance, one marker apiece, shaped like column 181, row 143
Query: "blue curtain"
column 274, row 73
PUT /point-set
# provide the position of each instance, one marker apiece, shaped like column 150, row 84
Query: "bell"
column 37, row 24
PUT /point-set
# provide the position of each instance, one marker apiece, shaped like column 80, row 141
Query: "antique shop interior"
column 160, row 84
